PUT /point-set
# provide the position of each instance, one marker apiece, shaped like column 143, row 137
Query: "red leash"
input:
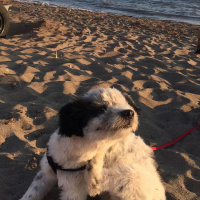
column 176, row 140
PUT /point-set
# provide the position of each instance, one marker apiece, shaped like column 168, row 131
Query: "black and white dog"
column 94, row 150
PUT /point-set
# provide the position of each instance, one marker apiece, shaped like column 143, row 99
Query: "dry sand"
column 51, row 54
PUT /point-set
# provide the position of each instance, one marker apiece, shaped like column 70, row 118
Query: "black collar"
column 56, row 167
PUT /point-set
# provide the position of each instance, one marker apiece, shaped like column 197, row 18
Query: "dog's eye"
column 104, row 107
column 106, row 103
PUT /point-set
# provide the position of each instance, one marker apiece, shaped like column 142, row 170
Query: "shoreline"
column 52, row 54
column 173, row 18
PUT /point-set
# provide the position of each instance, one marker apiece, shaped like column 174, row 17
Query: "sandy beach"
column 52, row 54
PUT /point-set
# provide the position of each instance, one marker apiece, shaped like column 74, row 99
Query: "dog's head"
column 100, row 113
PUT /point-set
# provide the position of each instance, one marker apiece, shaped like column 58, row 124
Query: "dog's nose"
column 127, row 113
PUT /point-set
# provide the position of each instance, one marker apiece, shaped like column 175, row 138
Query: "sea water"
column 176, row 10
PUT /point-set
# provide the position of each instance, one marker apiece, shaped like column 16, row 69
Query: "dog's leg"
column 73, row 195
column 42, row 183
column 93, row 174
column 132, row 181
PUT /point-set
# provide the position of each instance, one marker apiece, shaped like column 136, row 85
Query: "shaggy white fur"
column 95, row 130
column 129, row 172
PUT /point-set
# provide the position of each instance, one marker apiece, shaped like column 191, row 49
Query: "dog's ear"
column 70, row 120
column 131, row 102
column 75, row 116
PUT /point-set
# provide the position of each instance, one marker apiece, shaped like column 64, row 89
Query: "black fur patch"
column 89, row 166
column 38, row 177
column 36, row 188
column 131, row 103
column 75, row 116
column 121, row 188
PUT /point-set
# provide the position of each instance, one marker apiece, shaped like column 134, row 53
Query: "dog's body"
column 129, row 172
column 95, row 127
